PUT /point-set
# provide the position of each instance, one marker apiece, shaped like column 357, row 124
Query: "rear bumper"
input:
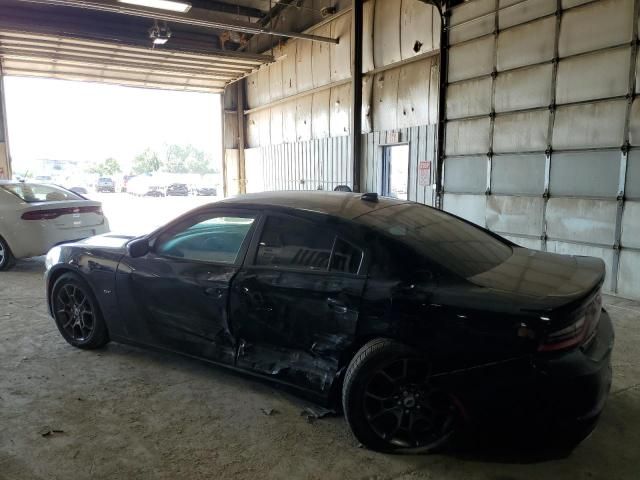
column 574, row 386
column 44, row 238
column 553, row 396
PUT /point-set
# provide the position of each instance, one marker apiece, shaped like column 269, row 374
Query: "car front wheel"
column 391, row 404
column 76, row 313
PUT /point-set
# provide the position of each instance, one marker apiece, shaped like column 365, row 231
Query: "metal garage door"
column 68, row 58
column 541, row 127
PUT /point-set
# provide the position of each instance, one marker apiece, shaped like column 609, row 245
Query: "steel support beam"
column 5, row 158
column 442, row 105
column 356, row 90
column 242, row 175
column 196, row 17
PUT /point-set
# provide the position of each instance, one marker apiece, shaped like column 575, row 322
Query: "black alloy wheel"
column 404, row 410
column 77, row 314
column 392, row 404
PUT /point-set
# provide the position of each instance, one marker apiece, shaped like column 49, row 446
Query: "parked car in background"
column 177, row 189
column 204, row 190
column 413, row 320
column 35, row 217
column 106, row 184
column 146, row 185
column 154, row 191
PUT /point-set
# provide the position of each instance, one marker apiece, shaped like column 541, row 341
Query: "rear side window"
column 290, row 242
column 441, row 238
column 346, row 257
column 33, row 192
column 294, row 243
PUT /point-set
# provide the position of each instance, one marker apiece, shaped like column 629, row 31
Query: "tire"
column 6, row 257
column 77, row 314
column 386, row 389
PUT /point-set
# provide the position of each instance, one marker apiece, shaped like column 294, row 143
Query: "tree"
column 146, row 162
column 187, row 159
column 176, row 157
column 201, row 163
column 107, row 168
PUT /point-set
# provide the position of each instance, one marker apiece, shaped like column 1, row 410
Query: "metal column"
column 5, row 158
column 356, row 91
column 242, row 177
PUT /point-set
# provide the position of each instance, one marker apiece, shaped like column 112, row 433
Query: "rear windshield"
column 33, row 192
column 456, row 245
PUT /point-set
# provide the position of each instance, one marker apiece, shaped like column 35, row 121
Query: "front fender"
column 98, row 271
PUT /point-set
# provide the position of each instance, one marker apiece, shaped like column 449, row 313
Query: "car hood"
column 108, row 240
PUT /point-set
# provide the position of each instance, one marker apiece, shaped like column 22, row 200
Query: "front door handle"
column 336, row 305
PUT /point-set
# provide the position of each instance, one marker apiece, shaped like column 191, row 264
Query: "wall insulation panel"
column 413, row 82
column 386, row 40
column 414, row 37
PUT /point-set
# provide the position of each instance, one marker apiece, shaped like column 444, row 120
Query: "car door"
column 295, row 303
column 176, row 295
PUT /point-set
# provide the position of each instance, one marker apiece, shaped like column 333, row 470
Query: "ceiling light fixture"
column 159, row 34
column 173, row 6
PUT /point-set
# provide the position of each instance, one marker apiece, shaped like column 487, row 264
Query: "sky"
column 89, row 122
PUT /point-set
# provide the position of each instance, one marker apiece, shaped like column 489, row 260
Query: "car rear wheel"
column 6, row 257
column 391, row 404
column 77, row 314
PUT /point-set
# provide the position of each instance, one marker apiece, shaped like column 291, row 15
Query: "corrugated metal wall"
column 422, row 147
column 320, row 164
column 298, row 108
column 542, row 127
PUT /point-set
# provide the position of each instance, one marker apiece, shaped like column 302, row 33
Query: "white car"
column 35, row 217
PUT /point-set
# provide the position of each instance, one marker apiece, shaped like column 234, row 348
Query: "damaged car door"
column 295, row 303
column 177, row 294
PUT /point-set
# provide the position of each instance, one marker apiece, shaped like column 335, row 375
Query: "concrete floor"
column 128, row 413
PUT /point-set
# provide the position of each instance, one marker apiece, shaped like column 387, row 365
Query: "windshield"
column 456, row 245
column 33, row 192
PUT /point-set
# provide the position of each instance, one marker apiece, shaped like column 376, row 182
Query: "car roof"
column 339, row 204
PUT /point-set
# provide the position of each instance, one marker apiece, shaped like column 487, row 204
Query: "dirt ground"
column 126, row 413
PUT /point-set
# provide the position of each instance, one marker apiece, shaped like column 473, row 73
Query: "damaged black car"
column 414, row 322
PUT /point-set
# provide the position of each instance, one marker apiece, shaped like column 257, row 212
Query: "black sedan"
column 177, row 190
column 413, row 321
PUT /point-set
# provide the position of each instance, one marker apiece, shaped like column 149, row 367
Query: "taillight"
column 57, row 212
column 565, row 338
column 577, row 332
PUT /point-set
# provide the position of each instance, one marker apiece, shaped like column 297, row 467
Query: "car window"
column 346, row 257
column 33, row 192
column 442, row 238
column 294, row 243
column 216, row 239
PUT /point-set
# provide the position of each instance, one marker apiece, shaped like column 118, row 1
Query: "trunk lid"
column 542, row 280
column 67, row 214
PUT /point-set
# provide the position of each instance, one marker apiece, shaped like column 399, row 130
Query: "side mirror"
column 138, row 247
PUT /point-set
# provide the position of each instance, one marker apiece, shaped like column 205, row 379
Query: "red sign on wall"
column 424, row 173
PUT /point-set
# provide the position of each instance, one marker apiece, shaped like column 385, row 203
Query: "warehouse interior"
column 513, row 134
column 521, row 116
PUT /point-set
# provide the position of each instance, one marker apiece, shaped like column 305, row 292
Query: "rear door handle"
column 336, row 305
